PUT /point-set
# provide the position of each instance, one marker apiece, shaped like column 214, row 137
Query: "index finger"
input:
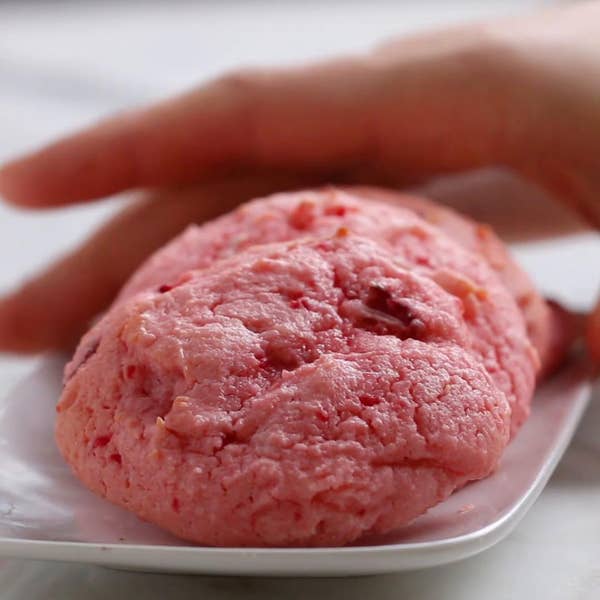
column 432, row 107
column 246, row 119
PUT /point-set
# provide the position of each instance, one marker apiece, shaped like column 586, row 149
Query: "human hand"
column 504, row 93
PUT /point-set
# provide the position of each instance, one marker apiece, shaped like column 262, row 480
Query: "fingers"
column 53, row 309
column 434, row 104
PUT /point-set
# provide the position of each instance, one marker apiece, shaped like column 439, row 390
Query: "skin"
column 522, row 94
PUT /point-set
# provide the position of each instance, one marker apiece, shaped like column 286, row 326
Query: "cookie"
column 547, row 325
column 303, row 393
column 501, row 341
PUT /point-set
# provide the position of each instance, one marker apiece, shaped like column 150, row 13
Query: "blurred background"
column 65, row 64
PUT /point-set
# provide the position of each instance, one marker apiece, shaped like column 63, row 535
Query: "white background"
column 63, row 64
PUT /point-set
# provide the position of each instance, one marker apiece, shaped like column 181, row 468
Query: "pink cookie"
column 547, row 325
column 305, row 393
column 501, row 341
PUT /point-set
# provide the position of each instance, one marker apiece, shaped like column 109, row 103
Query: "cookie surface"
column 499, row 333
column 305, row 393
column 547, row 327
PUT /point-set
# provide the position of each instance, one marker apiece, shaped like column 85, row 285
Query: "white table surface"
column 63, row 64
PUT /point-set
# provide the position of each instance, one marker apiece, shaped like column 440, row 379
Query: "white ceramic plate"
column 46, row 514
